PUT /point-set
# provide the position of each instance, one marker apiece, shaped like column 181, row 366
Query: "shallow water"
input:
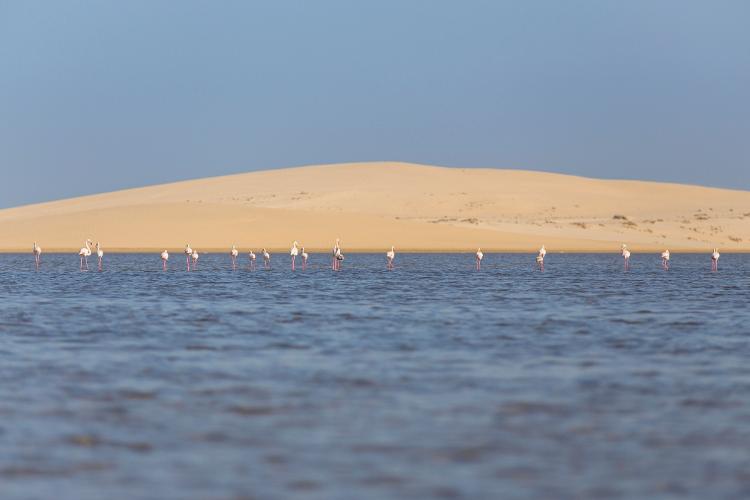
column 432, row 380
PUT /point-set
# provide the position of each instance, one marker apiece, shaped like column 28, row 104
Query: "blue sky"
column 97, row 96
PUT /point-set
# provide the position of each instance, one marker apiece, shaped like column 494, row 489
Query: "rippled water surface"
column 429, row 381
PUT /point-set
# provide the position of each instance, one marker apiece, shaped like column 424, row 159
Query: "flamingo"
column 84, row 254
column 304, row 259
column 339, row 258
column 251, row 256
column 194, row 256
column 37, row 250
column 665, row 259
column 336, row 251
column 480, row 256
column 540, row 258
column 294, row 252
column 542, row 252
column 188, row 254
column 715, row 259
column 164, row 259
column 626, row 255
column 99, row 254
column 234, row 253
column 266, row 259
column 390, row 255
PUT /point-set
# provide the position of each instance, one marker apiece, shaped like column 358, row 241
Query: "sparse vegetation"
column 619, row 217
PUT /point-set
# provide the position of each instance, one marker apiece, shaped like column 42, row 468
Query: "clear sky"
column 102, row 95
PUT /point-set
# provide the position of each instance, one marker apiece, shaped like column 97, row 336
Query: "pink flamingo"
column 294, row 252
column 194, row 256
column 234, row 253
column 84, row 253
column 251, row 256
column 37, row 250
column 665, row 259
column 188, row 255
column 338, row 259
column 164, row 259
column 715, row 259
column 304, row 259
column 480, row 256
column 99, row 254
column 266, row 259
column 335, row 253
column 626, row 256
column 390, row 255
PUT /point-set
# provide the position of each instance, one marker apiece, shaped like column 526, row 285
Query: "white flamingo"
column 188, row 255
column 304, row 259
column 234, row 253
column 390, row 255
column 715, row 259
column 37, row 250
column 194, row 256
column 542, row 252
column 84, row 254
column 164, row 259
column 294, row 252
column 665, row 259
column 480, row 256
column 99, row 254
column 251, row 256
column 625, row 255
column 266, row 259
column 540, row 261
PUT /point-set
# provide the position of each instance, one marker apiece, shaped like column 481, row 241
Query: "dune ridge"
column 372, row 206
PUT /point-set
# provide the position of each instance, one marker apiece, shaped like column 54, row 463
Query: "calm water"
column 429, row 381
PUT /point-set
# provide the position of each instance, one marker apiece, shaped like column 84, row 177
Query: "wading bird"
column 304, row 259
column 188, row 254
column 99, row 254
column 234, row 253
column 715, row 259
column 251, row 256
column 294, row 252
column 665, row 259
column 480, row 256
column 194, row 256
column 37, row 250
column 266, row 259
column 338, row 258
column 84, row 254
column 164, row 259
column 335, row 253
column 626, row 256
column 540, row 258
column 390, row 255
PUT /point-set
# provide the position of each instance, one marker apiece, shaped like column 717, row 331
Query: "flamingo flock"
column 337, row 257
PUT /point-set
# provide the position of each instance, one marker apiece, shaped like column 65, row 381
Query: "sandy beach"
column 371, row 206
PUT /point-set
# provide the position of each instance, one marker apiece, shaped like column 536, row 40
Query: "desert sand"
column 372, row 206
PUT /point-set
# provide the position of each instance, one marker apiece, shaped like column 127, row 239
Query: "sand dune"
column 373, row 205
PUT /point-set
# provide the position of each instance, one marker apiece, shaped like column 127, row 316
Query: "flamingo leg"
column 293, row 261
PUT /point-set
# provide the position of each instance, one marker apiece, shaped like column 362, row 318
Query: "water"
column 430, row 381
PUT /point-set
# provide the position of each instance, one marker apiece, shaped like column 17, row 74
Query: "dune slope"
column 371, row 206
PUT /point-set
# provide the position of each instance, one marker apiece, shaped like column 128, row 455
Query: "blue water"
column 428, row 381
